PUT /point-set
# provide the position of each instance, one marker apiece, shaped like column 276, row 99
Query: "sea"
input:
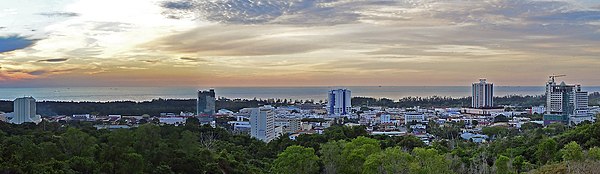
column 104, row 94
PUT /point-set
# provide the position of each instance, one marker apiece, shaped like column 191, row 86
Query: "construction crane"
column 553, row 76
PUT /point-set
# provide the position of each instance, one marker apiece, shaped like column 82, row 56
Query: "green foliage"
column 391, row 160
column 429, row 161
column 146, row 149
column 572, row 152
column 587, row 135
column 594, row 153
column 149, row 148
column 552, row 169
column 331, row 155
column 519, row 163
column 500, row 118
column 296, row 160
column 356, row 152
column 77, row 143
column 496, row 131
column 546, row 151
column 501, row 164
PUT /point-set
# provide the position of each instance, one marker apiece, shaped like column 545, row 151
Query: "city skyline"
column 71, row 43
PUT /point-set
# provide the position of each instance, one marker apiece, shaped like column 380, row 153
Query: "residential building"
column 25, row 111
column 339, row 102
column 413, row 117
column 482, row 94
column 385, row 118
column 262, row 123
column 538, row 110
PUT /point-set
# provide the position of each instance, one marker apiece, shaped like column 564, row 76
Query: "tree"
column 495, row 131
column 546, row 150
column 74, row 142
column 519, row 163
column 474, row 122
column 356, row 152
column 594, row 153
column 189, row 141
column 572, row 152
column 429, row 161
column 390, row 161
column 500, row 118
column 331, row 155
column 502, row 165
column 132, row 163
column 530, row 126
column 296, row 160
column 410, row 142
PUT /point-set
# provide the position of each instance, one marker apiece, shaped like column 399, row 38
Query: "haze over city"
column 297, row 43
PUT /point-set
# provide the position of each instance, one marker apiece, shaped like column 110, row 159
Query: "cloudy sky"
column 297, row 42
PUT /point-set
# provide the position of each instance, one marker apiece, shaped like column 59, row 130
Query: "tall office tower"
column 206, row 103
column 262, row 124
column 566, row 103
column 483, row 94
column 25, row 111
column 339, row 102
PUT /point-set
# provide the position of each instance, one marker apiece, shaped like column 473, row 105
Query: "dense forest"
column 79, row 148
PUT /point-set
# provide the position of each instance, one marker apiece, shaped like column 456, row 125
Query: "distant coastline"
column 104, row 94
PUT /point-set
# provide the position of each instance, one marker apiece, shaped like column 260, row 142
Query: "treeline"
column 437, row 101
column 153, row 108
column 80, row 148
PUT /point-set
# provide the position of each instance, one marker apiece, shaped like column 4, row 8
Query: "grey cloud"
column 179, row 5
column 572, row 16
column 191, row 59
column 59, row 14
column 54, row 60
column 271, row 11
column 37, row 72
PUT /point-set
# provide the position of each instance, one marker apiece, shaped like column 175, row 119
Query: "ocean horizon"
column 104, row 94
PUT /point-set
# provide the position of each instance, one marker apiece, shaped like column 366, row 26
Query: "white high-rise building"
column 566, row 103
column 483, row 94
column 25, row 111
column 262, row 124
column 339, row 102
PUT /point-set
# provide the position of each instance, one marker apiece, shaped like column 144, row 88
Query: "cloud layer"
column 308, row 42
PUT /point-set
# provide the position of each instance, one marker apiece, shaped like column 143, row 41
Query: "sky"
column 73, row 43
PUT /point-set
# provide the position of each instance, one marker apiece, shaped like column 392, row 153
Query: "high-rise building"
column 339, row 102
column 483, row 94
column 206, row 103
column 25, row 111
column 262, row 124
column 566, row 103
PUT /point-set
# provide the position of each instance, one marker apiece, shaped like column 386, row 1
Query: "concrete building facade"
column 262, row 125
column 482, row 94
column 339, row 102
column 25, row 111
